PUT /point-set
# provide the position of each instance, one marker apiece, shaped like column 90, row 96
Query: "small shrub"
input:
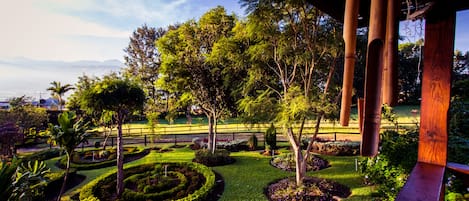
column 271, row 137
column 391, row 167
column 220, row 157
column 337, row 148
column 44, row 155
column 252, row 142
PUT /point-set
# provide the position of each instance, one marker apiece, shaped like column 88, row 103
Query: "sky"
column 58, row 40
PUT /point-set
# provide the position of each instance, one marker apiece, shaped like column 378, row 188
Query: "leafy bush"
column 44, row 155
column 391, row 167
column 337, row 148
column 252, row 142
column 270, row 137
column 220, row 157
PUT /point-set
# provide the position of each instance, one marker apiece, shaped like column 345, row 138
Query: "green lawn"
column 199, row 125
column 250, row 174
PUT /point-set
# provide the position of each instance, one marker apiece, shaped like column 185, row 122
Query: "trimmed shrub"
column 270, row 137
column 252, row 142
column 44, row 155
column 90, row 191
column 220, row 157
column 77, row 163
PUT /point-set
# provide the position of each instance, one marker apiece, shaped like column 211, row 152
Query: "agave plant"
column 28, row 182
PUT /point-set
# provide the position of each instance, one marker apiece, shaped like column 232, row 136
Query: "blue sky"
column 46, row 40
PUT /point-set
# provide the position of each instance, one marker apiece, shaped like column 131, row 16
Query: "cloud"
column 30, row 31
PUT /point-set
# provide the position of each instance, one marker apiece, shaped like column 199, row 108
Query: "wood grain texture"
column 425, row 183
column 436, row 85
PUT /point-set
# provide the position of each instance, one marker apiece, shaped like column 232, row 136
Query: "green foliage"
column 390, row 168
column 43, row 155
column 7, row 172
column 388, row 113
column 271, row 137
column 29, row 181
column 26, row 116
column 58, row 90
column 206, row 157
column 70, row 132
column 89, row 191
column 78, row 164
column 252, row 142
column 113, row 94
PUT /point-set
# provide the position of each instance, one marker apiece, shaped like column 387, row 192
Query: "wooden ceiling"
column 335, row 8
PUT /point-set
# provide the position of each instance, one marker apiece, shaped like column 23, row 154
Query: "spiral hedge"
column 91, row 190
column 102, row 164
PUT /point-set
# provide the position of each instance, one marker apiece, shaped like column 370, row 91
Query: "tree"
column 294, row 50
column 142, row 58
column 70, row 132
column 57, row 91
column 27, row 117
column 187, row 67
column 122, row 97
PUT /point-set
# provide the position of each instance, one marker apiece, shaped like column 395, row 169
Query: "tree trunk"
column 120, row 158
column 210, row 133
column 106, row 137
column 67, row 169
column 299, row 165
column 214, row 147
column 296, row 146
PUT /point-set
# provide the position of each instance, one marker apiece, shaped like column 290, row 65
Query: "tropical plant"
column 70, row 132
column 58, row 91
column 29, row 181
column 7, row 171
column 121, row 97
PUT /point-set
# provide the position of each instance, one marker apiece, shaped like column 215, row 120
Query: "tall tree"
column 186, row 67
column 121, row 97
column 58, row 91
column 70, row 132
column 297, row 45
column 143, row 58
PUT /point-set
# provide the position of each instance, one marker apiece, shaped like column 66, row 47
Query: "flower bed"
column 337, row 148
column 312, row 189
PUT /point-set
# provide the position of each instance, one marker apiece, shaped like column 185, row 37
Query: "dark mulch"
column 217, row 191
column 52, row 190
column 316, row 189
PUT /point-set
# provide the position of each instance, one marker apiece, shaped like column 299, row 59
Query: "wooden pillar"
column 350, row 39
column 436, row 84
column 373, row 78
column 390, row 70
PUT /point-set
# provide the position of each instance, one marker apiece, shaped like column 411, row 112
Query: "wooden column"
column 436, row 85
column 373, row 78
column 350, row 39
column 390, row 70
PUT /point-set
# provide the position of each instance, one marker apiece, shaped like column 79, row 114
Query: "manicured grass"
column 250, row 174
column 199, row 125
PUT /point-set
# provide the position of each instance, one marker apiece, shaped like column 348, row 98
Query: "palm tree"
column 70, row 132
column 57, row 90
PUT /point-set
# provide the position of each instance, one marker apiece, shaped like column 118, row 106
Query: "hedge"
column 87, row 192
column 98, row 165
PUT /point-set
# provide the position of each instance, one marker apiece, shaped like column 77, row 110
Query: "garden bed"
column 336, row 148
column 98, row 158
column 287, row 162
column 168, row 181
column 313, row 189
